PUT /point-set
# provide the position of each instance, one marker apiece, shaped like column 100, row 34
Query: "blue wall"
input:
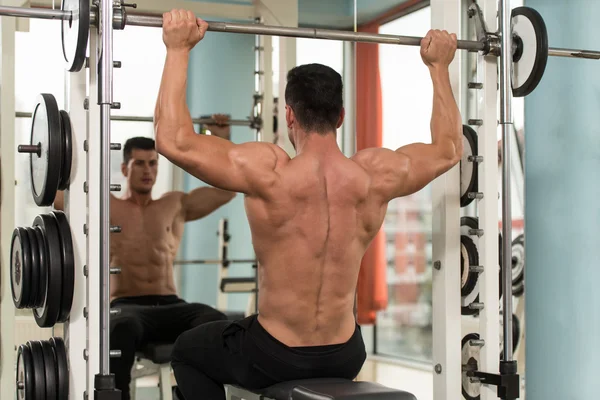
column 562, row 217
column 221, row 80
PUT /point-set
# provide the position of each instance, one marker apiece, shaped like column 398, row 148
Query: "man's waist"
column 147, row 300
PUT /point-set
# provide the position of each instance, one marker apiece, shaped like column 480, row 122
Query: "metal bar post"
column 506, row 122
column 105, row 94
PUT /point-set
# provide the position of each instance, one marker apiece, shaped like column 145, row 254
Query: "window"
column 404, row 328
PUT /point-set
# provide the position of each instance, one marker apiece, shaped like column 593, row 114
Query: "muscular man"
column 311, row 217
column 145, row 250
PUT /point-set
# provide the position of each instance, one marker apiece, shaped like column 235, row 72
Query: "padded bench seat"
column 327, row 389
column 158, row 353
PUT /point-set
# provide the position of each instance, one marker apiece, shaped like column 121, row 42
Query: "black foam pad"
column 333, row 389
column 158, row 353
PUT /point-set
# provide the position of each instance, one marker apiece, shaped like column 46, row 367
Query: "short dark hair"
column 138, row 142
column 315, row 93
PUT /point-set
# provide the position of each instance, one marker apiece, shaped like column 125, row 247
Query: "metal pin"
column 132, row 5
column 30, row 148
column 475, row 159
column 85, row 270
column 475, row 122
column 475, row 85
column 476, row 306
column 85, row 312
column 116, row 64
column 115, row 146
column 115, row 229
column 476, row 232
column 437, row 265
column 20, row 385
column 85, row 145
column 115, row 105
column 476, row 268
column 85, row 187
column 438, row 369
column 85, row 229
column 115, row 311
column 476, row 342
column 115, row 187
column 115, row 353
column 475, row 195
column 86, row 104
column 85, row 354
column 115, row 270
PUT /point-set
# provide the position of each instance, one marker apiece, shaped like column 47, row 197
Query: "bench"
column 319, row 389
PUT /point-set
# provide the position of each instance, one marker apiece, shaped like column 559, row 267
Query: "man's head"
column 140, row 164
column 314, row 100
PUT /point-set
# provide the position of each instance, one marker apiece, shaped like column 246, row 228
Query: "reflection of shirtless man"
column 312, row 218
column 145, row 250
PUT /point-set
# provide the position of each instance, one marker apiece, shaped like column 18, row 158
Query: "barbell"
column 530, row 40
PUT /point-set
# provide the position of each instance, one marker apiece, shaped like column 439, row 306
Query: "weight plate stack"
column 20, row 268
column 68, row 264
column 470, row 356
column 67, row 141
column 42, row 370
column 468, row 169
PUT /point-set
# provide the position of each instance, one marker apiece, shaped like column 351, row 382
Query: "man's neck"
column 141, row 199
column 316, row 143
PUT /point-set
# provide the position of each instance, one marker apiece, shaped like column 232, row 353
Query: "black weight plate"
column 472, row 258
column 65, row 172
column 531, row 56
column 35, row 266
column 519, row 289
column 43, row 276
column 20, row 268
column 45, row 167
column 74, row 32
column 50, row 370
column 470, row 356
column 469, row 223
column 68, row 264
column 468, row 169
column 25, row 383
column 47, row 315
column 39, row 376
column 62, row 367
column 518, row 259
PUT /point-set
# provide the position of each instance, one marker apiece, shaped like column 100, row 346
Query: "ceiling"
column 334, row 14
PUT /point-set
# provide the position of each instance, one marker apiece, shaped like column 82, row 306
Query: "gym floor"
column 417, row 379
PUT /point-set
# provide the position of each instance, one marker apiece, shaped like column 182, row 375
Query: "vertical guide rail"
column 446, row 242
column 7, row 211
column 487, row 103
column 506, row 122
column 75, row 197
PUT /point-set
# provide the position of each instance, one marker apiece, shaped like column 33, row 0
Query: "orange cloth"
column 372, row 290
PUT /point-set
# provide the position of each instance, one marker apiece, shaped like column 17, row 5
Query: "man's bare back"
column 146, row 246
column 312, row 217
column 313, row 232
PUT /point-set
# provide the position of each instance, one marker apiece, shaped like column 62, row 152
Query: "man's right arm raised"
column 412, row 167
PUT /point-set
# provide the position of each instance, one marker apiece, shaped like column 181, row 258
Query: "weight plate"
column 519, row 289
column 468, row 257
column 20, row 268
column 43, row 275
column 468, row 169
column 518, row 259
column 516, row 334
column 62, row 367
column 39, row 376
column 74, row 33
column 470, row 362
column 46, row 165
column 68, row 264
column 531, row 50
column 47, row 315
column 35, row 267
column 466, row 224
column 50, row 370
column 65, row 172
column 25, row 380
